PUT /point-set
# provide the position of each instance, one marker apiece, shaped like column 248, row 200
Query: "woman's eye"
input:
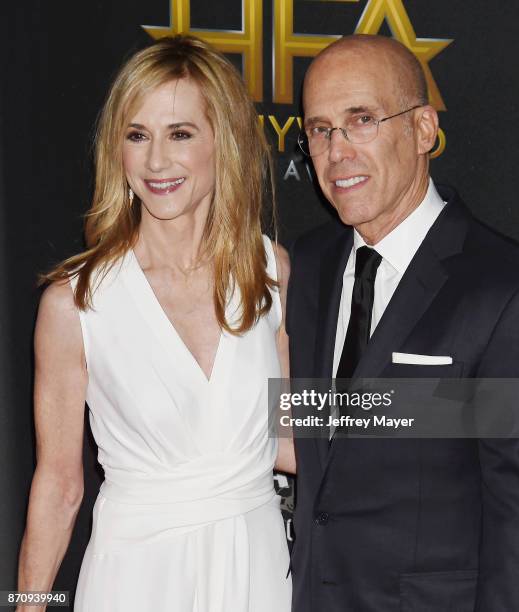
column 180, row 135
column 135, row 136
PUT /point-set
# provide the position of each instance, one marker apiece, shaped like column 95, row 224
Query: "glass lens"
column 361, row 130
column 302, row 141
column 313, row 142
column 316, row 140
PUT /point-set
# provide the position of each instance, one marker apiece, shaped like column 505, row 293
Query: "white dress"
column 186, row 519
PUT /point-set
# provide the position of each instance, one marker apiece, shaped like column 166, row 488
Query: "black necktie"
column 357, row 337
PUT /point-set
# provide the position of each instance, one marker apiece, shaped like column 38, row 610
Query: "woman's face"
column 169, row 152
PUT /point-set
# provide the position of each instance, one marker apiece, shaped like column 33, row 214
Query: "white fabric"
column 187, row 519
column 397, row 250
column 414, row 359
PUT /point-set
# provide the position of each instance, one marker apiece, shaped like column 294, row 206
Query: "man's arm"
column 498, row 584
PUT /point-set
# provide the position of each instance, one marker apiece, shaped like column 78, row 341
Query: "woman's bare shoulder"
column 58, row 318
column 281, row 255
column 282, row 262
column 58, row 298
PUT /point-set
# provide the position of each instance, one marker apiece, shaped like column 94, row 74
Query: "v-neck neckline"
column 155, row 309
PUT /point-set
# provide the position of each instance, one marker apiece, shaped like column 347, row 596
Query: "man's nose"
column 158, row 158
column 340, row 147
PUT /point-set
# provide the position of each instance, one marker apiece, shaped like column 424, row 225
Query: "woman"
column 170, row 326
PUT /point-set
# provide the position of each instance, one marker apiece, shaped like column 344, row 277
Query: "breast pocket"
column 411, row 370
column 438, row 591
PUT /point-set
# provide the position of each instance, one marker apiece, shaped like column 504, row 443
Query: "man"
column 398, row 525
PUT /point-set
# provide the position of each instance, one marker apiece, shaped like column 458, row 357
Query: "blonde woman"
column 168, row 325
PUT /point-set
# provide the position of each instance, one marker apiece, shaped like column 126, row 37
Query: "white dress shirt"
column 397, row 250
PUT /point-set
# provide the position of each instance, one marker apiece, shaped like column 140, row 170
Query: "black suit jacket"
column 408, row 525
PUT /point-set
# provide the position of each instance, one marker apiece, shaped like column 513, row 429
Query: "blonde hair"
column 244, row 179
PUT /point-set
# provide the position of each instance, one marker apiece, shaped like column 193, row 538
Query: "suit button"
column 322, row 518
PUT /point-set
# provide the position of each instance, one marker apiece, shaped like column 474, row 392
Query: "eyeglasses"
column 359, row 129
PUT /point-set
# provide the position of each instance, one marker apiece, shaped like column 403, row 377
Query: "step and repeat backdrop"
column 57, row 61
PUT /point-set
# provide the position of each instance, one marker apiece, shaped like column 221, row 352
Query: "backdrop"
column 57, row 60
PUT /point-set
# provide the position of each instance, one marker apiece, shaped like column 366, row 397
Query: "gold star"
column 425, row 49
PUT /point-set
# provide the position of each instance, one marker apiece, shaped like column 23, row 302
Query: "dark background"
column 57, row 60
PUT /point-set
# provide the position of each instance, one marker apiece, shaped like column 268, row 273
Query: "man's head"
column 373, row 185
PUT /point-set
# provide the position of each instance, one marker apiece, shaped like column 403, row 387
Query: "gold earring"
column 130, row 195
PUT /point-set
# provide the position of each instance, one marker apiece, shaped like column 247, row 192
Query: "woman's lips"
column 164, row 186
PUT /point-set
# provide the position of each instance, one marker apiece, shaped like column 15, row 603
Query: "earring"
column 130, row 195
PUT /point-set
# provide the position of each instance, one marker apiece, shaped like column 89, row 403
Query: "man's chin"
column 351, row 215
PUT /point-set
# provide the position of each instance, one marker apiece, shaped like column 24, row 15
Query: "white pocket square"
column 411, row 358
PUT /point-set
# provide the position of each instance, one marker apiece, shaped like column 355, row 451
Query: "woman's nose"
column 158, row 157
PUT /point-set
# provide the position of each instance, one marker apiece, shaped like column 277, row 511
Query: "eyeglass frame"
column 344, row 132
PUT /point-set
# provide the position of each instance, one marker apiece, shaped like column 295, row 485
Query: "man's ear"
column 426, row 128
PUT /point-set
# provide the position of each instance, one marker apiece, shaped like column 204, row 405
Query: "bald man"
column 406, row 284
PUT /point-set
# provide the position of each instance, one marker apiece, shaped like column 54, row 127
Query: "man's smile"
column 350, row 182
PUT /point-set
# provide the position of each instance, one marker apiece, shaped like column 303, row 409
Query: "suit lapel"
column 333, row 264
column 332, row 267
column 419, row 286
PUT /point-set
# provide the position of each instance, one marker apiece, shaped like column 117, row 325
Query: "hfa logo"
column 287, row 45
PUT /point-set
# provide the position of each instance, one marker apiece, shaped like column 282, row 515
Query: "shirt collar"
column 400, row 245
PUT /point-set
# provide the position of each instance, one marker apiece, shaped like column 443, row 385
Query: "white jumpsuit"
column 187, row 519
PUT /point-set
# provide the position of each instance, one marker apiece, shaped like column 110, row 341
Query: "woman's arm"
column 59, row 401
column 286, row 460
